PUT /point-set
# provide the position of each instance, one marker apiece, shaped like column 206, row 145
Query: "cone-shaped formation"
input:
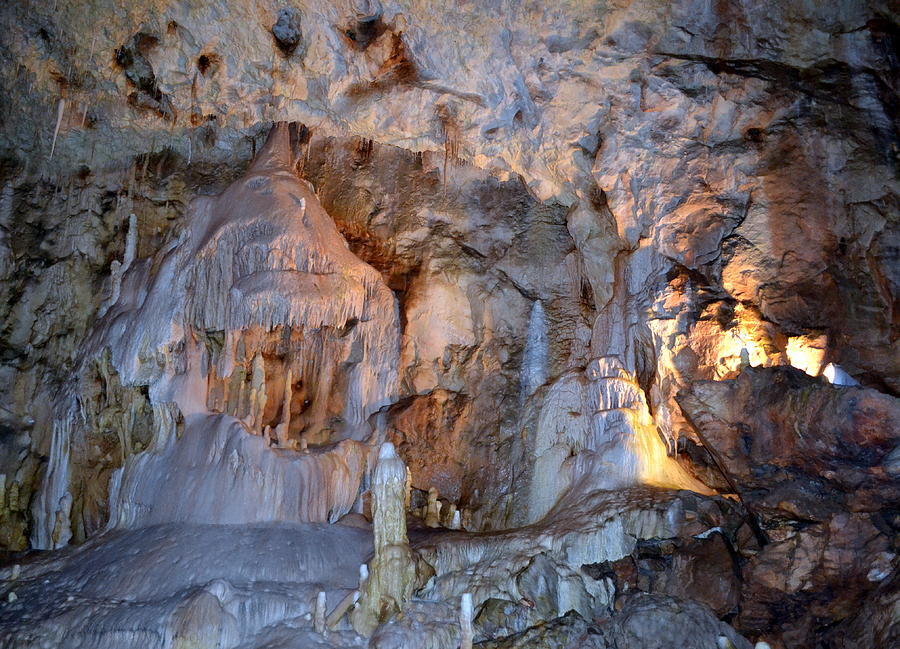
column 260, row 313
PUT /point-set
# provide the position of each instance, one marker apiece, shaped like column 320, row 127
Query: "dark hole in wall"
column 362, row 33
column 754, row 134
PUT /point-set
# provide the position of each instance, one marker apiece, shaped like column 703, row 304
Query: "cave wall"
column 683, row 188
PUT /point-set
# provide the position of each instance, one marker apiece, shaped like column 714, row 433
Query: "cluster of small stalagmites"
column 249, row 404
column 258, row 399
column 439, row 513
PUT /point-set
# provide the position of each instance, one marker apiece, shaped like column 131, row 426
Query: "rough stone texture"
column 780, row 435
column 683, row 188
column 645, row 622
column 286, row 29
column 875, row 624
column 807, row 460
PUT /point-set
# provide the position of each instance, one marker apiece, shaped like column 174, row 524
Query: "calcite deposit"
column 408, row 324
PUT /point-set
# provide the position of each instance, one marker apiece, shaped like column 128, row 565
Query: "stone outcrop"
column 809, row 461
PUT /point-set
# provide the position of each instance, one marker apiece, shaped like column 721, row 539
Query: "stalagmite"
column 392, row 571
column 837, row 376
column 283, row 429
column 363, row 575
column 449, row 514
column 258, row 396
column 572, row 268
column 433, row 509
column 52, row 507
column 465, row 621
column 319, row 614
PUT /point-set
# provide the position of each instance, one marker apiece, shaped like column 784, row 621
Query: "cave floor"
column 187, row 585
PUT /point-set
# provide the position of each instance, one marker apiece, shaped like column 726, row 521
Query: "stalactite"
column 60, row 111
column 534, row 370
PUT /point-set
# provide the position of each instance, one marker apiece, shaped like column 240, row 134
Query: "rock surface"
column 807, row 460
column 547, row 250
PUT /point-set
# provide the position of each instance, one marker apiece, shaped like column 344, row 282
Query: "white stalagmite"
column 319, row 613
column 837, row 376
column 257, row 393
column 388, row 498
column 465, row 621
column 392, row 571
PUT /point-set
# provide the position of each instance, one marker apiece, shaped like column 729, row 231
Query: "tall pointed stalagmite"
column 392, row 572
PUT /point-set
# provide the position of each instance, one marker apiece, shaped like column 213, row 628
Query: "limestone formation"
column 465, row 621
column 617, row 281
column 433, row 509
column 392, row 572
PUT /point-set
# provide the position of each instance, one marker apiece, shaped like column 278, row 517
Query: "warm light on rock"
column 807, row 353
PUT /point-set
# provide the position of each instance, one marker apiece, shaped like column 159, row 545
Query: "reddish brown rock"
column 795, row 446
column 810, row 461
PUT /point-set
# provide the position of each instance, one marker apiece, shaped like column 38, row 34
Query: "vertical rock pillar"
column 392, row 572
column 465, row 621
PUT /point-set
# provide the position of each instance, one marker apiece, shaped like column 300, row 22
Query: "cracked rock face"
column 573, row 260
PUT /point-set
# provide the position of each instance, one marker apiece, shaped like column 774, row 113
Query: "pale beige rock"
column 392, row 571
